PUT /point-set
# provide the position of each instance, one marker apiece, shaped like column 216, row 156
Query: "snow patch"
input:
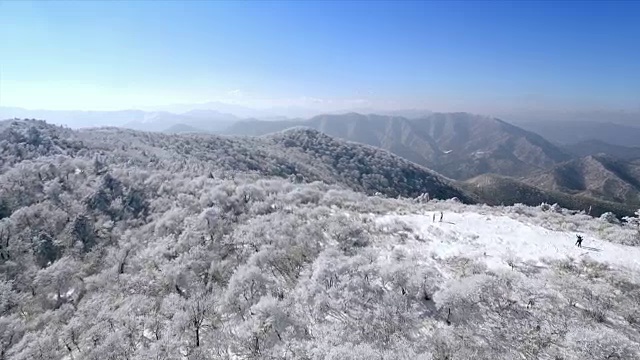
column 499, row 240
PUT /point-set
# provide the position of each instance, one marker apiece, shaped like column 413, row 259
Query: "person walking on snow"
column 441, row 216
column 434, row 217
column 579, row 241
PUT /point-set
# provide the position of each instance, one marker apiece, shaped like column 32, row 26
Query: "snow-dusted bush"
column 521, row 209
column 633, row 222
column 544, row 207
column 610, row 218
column 556, row 208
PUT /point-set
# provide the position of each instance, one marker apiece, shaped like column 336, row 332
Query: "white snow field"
column 500, row 239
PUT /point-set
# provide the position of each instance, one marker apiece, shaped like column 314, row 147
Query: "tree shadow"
column 591, row 248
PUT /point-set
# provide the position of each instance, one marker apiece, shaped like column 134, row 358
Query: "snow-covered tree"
column 118, row 244
column 633, row 221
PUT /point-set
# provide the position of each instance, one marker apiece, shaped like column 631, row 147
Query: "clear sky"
column 469, row 56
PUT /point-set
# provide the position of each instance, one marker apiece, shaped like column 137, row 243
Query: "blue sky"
column 469, row 56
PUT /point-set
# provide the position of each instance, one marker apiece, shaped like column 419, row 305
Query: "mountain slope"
column 474, row 145
column 457, row 145
column 493, row 240
column 500, row 190
column 122, row 245
column 304, row 153
column 364, row 167
column 597, row 176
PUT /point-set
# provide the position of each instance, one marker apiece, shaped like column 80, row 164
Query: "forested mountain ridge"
column 302, row 153
column 372, row 167
column 457, row 145
column 118, row 244
column 469, row 147
column 357, row 166
column 501, row 190
column 598, row 176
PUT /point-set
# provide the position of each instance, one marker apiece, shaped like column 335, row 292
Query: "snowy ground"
column 499, row 239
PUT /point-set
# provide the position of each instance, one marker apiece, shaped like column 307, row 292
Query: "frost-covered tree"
column 116, row 244
column 609, row 217
column 633, row 221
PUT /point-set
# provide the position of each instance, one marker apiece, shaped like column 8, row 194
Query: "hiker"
column 434, row 217
column 441, row 216
column 579, row 241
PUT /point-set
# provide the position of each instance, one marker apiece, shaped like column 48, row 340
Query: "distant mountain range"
column 491, row 158
column 209, row 117
column 595, row 147
column 572, row 132
column 205, row 120
column 618, row 128
column 457, row 145
column 481, row 154
column 630, row 117
column 304, row 154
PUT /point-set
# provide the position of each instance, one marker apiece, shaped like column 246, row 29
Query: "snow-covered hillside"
column 498, row 240
column 124, row 245
column 511, row 284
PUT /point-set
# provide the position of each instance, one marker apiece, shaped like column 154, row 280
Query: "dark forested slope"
column 500, row 190
column 597, row 176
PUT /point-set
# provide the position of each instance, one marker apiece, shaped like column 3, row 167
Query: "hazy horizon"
column 489, row 58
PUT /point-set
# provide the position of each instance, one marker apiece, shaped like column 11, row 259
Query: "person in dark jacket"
column 579, row 241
